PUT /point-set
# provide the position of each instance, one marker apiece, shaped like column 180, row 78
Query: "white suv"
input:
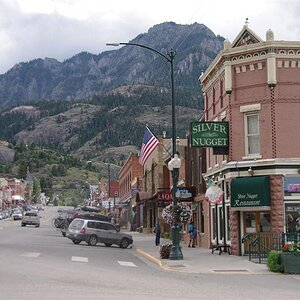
column 31, row 218
column 92, row 232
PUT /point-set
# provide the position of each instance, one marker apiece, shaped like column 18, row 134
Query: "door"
column 257, row 222
column 111, row 234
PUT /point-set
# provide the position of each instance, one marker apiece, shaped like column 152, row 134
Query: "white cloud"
column 32, row 29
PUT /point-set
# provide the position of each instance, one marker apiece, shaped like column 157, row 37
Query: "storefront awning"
column 250, row 193
column 140, row 196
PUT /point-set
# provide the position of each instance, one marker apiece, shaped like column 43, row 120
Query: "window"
column 91, row 224
column 292, row 217
column 252, row 134
column 228, row 223
column 213, row 222
column 202, row 229
column 110, row 227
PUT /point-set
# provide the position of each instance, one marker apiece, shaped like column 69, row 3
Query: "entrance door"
column 256, row 222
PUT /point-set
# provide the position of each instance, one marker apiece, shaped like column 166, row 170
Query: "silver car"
column 17, row 215
column 93, row 232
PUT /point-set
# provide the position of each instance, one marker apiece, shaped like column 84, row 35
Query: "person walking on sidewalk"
column 193, row 235
column 157, row 232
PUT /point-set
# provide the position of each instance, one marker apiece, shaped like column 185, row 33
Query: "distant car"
column 31, row 218
column 93, row 232
column 17, row 215
column 6, row 213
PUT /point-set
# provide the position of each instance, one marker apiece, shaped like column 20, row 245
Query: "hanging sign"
column 209, row 134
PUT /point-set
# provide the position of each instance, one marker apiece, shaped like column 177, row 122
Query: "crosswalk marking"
column 126, row 263
column 80, row 259
column 31, row 254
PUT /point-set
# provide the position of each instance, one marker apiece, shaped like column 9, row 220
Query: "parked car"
column 6, row 213
column 17, row 215
column 93, row 232
column 31, row 218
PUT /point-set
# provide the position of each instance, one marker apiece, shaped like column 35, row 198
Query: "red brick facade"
column 254, row 85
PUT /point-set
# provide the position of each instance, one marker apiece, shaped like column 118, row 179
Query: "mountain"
column 93, row 108
column 85, row 74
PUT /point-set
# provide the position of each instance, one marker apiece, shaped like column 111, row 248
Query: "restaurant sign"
column 209, row 134
column 250, row 192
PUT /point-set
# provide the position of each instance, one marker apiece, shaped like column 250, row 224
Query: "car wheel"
column 76, row 242
column 63, row 233
column 107, row 244
column 92, row 240
column 124, row 243
column 37, row 225
column 23, row 225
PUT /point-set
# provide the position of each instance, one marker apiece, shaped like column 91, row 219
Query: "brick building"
column 254, row 84
column 129, row 179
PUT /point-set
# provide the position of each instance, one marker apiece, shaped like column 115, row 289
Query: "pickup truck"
column 31, row 218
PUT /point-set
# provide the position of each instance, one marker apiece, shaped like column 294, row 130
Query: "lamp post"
column 169, row 57
column 174, row 166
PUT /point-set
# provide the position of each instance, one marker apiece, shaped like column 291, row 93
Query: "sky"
column 31, row 29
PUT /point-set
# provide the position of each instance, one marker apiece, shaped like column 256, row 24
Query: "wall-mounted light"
column 250, row 171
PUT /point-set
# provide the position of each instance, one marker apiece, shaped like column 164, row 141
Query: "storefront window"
column 250, row 222
column 221, row 227
column 265, row 225
column 202, row 229
column 292, row 217
column 228, row 226
column 214, row 233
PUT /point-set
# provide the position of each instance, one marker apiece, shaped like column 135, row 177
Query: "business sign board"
column 210, row 134
column 292, row 184
column 183, row 194
column 250, row 192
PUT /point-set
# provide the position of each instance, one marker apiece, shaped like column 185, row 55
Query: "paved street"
column 38, row 263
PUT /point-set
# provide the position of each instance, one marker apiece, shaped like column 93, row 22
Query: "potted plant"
column 180, row 213
column 290, row 257
column 165, row 251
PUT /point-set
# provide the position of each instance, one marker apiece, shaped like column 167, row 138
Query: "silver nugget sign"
column 209, row 134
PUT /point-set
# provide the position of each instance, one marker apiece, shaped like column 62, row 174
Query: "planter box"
column 291, row 263
column 165, row 251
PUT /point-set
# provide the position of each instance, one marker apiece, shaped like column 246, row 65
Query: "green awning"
column 250, row 193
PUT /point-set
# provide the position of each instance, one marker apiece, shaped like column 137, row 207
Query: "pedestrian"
column 192, row 234
column 157, row 232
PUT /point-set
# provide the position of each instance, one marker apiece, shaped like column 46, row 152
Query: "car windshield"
column 76, row 224
column 31, row 214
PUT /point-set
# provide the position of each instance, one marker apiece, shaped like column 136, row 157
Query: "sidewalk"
column 196, row 260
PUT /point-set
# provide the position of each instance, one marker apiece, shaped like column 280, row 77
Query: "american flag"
column 149, row 144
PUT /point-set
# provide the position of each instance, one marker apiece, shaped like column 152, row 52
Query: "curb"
column 153, row 259
column 161, row 264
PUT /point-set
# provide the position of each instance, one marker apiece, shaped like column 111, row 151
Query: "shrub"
column 293, row 247
column 166, row 235
column 274, row 262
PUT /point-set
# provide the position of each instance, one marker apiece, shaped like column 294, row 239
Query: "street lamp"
column 174, row 166
column 169, row 57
